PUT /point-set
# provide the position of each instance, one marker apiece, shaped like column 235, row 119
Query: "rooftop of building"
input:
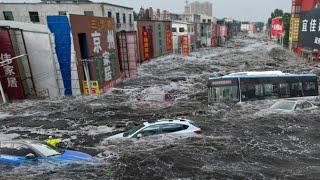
column 66, row 2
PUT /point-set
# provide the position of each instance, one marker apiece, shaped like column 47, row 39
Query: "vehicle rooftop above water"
column 257, row 74
column 164, row 121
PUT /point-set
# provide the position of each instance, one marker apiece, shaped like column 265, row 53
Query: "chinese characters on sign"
column 224, row 82
column 107, row 68
column 277, row 28
column 169, row 41
column 9, row 70
column 96, row 42
column 146, row 48
column 309, row 31
column 294, row 26
column 185, row 45
column 110, row 39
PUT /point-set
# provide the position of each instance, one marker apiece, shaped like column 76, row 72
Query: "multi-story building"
column 37, row 12
column 197, row 7
column 183, row 28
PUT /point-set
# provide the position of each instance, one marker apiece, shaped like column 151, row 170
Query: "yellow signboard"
column 294, row 29
column 94, row 86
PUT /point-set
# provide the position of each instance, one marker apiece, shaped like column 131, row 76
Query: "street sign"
column 277, row 28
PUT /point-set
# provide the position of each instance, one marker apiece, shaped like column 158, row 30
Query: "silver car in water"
column 179, row 127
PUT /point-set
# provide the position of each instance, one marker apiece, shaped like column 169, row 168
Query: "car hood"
column 117, row 137
column 273, row 111
column 70, row 155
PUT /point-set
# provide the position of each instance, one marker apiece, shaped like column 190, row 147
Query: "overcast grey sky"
column 251, row 10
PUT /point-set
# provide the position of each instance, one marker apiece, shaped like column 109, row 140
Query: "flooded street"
column 236, row 142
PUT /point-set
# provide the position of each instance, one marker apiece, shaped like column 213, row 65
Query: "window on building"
column 181, row 29
column 130, row 18
column 109, row 14
column 174, row 29
column 118, row 18
column 189, row 30
column 203, row 20
column 8, row 15
column 124, row 20
column 209, row 20
column 62, row 13
column 34, row 16
column 88, row 13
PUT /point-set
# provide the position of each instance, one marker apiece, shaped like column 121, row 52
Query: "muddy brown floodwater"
column 236, row 143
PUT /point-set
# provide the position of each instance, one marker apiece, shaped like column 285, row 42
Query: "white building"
column 197, row 7
column 181, row 28
column 37, row 12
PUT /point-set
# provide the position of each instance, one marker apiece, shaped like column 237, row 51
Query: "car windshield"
column 133, row 130
column 44, row 149
column 285, row 105
column 154, row 97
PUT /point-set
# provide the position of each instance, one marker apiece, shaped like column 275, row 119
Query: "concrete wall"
column 121, row 10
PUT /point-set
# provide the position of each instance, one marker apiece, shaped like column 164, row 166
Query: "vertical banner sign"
column 309, row 31
column 223, row 30
column 169, row 41
column 9, row 73
column 146, row 46
column 185, row 45
column 277, row 28
column 132, row 53
column 214, row 30
column 294, row 29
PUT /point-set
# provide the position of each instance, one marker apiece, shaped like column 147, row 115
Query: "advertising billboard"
column 9, row 72
column 277, row 28
column 309, row 30
column 94, row 41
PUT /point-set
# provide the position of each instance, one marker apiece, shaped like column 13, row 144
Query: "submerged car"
column 154, row 100
column 288, row 106
column 21, row 152
column 175, row 127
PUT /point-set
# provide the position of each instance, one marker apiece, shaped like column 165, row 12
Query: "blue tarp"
column 60, row 27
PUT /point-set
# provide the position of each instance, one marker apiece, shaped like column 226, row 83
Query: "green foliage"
column 275, row 13
column 286, row 18
column 260, row 25
column 135, row 16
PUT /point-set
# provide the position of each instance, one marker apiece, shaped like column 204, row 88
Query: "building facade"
column 180, row 29
column 197, row 7
column 37, row 12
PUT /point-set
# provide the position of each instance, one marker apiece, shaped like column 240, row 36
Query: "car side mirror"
column 139, row 136
column 30, row 156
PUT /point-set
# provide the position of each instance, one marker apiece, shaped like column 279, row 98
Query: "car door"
column 306, row 105
column 173, row 128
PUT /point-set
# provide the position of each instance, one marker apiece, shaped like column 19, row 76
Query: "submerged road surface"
column 235, row 144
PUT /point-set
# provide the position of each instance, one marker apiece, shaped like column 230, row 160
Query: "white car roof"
column 166, row 121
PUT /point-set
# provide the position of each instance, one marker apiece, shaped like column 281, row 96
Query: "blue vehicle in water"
column 32, row 152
